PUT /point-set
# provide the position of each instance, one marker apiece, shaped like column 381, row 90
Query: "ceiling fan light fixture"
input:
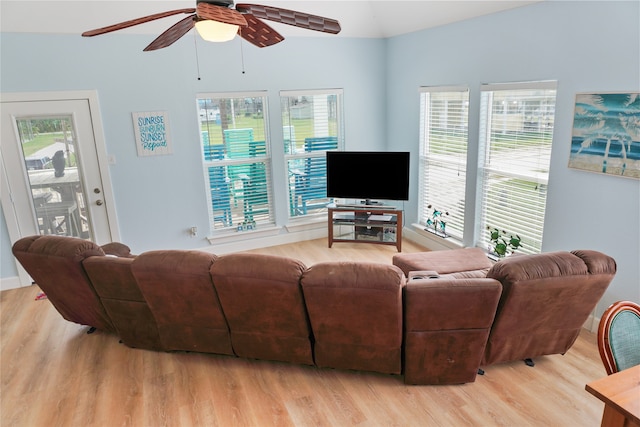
column 214, row 31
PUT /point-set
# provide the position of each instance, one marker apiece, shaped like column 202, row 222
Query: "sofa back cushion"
column 262, row 301
column 118, row 290
column 178, row 288
column 55, row 264
column 546, row 299
column 355, row 310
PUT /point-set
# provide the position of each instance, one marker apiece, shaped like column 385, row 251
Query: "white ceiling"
column 358, row 18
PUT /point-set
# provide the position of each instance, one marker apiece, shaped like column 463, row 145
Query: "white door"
column 54, row 168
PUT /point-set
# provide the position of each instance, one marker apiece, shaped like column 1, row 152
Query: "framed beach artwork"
column 606, row 134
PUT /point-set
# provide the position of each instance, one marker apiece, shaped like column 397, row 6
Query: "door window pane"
column 49, row 152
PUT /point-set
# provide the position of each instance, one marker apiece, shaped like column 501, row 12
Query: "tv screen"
column 368, row 175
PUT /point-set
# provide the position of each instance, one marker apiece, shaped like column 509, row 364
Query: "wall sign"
column 152, row 133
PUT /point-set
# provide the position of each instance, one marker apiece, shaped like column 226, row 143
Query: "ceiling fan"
column 221, row 21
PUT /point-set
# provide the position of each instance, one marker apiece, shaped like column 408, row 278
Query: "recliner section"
column 356, row 315
column 178, row 288
column 262, row 301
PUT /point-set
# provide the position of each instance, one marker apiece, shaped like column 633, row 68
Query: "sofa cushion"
column 263, row 303
column 355, row 310
column 465, row 262
column 119, row 292
column 447, row 323
column 178, row 288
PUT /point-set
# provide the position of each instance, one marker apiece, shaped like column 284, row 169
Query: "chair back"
column 619, row 336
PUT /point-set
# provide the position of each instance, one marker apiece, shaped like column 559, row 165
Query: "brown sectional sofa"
column 344, row 315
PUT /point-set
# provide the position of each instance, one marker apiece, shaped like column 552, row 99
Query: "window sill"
column 435, row 242
column 235, row 236
column 305, row 224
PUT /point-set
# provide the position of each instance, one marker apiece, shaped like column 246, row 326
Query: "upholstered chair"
column 619, row 336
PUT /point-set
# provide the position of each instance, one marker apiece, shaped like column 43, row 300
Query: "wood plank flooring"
column 54, row 374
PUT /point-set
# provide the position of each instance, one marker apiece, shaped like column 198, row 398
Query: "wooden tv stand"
column 380, row 225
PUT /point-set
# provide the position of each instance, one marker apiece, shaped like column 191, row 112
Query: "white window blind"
column 516, row 131
column 311, row 125
column 236, row 159
column 444, row 113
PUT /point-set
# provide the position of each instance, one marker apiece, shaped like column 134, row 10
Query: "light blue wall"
column 585, row 46
column 158, row 198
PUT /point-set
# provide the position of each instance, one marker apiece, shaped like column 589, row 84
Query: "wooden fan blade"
column 133, row 22
column 259, row 33
column 172, row 34
column 291, row 17
column 221, row 14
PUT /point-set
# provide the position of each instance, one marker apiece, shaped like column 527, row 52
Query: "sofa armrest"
column 118, row 249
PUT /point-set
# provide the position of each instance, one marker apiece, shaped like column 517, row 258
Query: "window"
column 516, row 130
column 444, row 115
column 311, row 125
column 236, row 159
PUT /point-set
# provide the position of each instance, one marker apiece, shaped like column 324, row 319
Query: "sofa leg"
column 529, row 362
column 91, row 330
column 480, row 371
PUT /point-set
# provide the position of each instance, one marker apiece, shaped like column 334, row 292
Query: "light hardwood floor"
column 54, row 374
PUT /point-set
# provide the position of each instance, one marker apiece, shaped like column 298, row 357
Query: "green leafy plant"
column 501, row 245
column 436, row 224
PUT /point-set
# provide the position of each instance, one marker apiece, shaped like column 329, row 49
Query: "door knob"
column 99, row 202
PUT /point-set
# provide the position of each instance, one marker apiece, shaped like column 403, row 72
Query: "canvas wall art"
column 606, row 134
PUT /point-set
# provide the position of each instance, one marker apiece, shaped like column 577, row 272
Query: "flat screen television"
column 370, row 176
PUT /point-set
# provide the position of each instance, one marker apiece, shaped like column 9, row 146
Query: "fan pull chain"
column 195, row 44
column 242, row 53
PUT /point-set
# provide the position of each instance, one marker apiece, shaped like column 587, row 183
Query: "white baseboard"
column 592, row 323
column 7, row 283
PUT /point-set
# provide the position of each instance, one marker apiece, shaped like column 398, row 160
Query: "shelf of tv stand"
column 377, row 224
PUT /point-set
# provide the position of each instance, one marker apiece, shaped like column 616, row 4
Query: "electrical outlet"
column 194, row 231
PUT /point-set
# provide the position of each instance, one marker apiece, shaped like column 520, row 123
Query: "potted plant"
column 436, row 224
column 501, row 245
